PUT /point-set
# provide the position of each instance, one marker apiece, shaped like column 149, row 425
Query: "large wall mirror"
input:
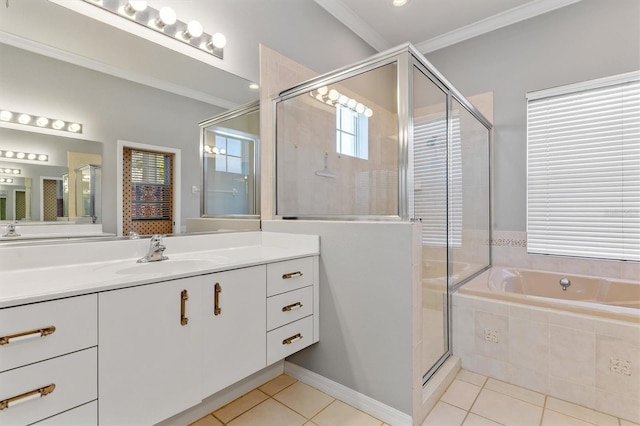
column 100, row 81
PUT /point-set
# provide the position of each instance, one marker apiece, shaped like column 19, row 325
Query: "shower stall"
column 389, row 139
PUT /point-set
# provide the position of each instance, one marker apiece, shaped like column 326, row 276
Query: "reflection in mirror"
column 34, row 191
column 230, row 158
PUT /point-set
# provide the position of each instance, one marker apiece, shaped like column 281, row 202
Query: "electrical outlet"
column 491, row 335
column 620, row 366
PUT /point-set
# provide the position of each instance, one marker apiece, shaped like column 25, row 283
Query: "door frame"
column 42, row 179
column 122, row 144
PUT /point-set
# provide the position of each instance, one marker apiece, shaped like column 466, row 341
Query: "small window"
column 583, row 169
column 352, row 132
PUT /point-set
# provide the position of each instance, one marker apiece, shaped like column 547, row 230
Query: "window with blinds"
column 430, row 175
column 583, row 169
column 151, row 185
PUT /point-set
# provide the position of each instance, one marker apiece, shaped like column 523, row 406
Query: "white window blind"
column 430, row 176
column 151, row 186
column 583, row 169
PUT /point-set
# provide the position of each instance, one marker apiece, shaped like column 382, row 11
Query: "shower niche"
column 390, row 139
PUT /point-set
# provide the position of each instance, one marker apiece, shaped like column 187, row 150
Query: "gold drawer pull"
column 217, row 310
column 184, row 296
column 291, row 307
column 291, row 275
column 45, row 331
column 27, row 396
column 292, row 339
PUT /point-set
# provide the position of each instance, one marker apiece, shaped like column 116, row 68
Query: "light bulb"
column 9, row 154
column 166, row 17
column 333, row 94
column 42, row 157
column 42, row 121
column 219, row 40
column 74, row 127
column 352, row 103
column 21, row 155
column 31, row 157
column 359, row 108
column 254, row 86
column 16, row 171
column 58, row 124
column 398, row 3
column 368, row 112
column 134, row 6
column 343, row 99
column 194, row 30
column 5, row 115
column 323, row 90
column 24, row 118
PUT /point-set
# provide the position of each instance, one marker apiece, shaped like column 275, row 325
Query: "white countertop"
column 24, row 279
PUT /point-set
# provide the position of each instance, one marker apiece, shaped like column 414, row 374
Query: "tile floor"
column 286, row 401
column 470, row 400
column 473, row 400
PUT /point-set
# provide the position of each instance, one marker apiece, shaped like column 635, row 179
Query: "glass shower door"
column 430, row 174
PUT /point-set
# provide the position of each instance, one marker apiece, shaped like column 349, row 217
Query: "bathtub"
column 616, row 299
column 580, row 345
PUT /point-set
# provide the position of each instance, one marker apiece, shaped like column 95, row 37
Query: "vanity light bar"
column 165, row 22
column 10, row 171
column 20, row 155
column 333, row 97
column 6, row 180
column 39, row 121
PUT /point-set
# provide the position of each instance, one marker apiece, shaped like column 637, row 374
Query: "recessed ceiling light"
column 399, row 3
column 254, row 86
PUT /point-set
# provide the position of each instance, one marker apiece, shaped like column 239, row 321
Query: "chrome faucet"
column 155, row 251
column 11, row 230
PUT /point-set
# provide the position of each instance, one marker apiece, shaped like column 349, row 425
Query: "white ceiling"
column 432, row 24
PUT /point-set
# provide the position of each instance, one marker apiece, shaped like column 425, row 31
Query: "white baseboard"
column 360, row 401
column 225, row 396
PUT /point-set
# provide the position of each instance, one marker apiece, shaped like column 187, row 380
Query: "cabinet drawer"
column 288, row 307
column 289, row 275
column 75, row 379
column 288, row 339
column 75, row 320
column 85, row 415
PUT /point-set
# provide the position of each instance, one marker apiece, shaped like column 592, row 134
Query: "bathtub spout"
column 565, row 282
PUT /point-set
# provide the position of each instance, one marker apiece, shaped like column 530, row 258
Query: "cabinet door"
column 234, row 336
column 149, row 359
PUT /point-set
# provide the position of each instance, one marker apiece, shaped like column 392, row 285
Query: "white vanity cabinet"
column 150, row 351
column 233, row 339
column 292, row 301
column 48, row 360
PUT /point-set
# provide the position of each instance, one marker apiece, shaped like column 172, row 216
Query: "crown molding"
column 508, row 17
column 73, row 58
column 352, row 21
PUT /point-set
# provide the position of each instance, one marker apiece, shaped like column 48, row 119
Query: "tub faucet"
column 156, row 249
column 565, row 282
column 11, row 230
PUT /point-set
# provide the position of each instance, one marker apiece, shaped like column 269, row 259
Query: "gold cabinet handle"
column 184, row 296
column 291, row 307
column 217, row 310
column 292, row 339
column 40, row 392
column 45, row 331
column 291, row 275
